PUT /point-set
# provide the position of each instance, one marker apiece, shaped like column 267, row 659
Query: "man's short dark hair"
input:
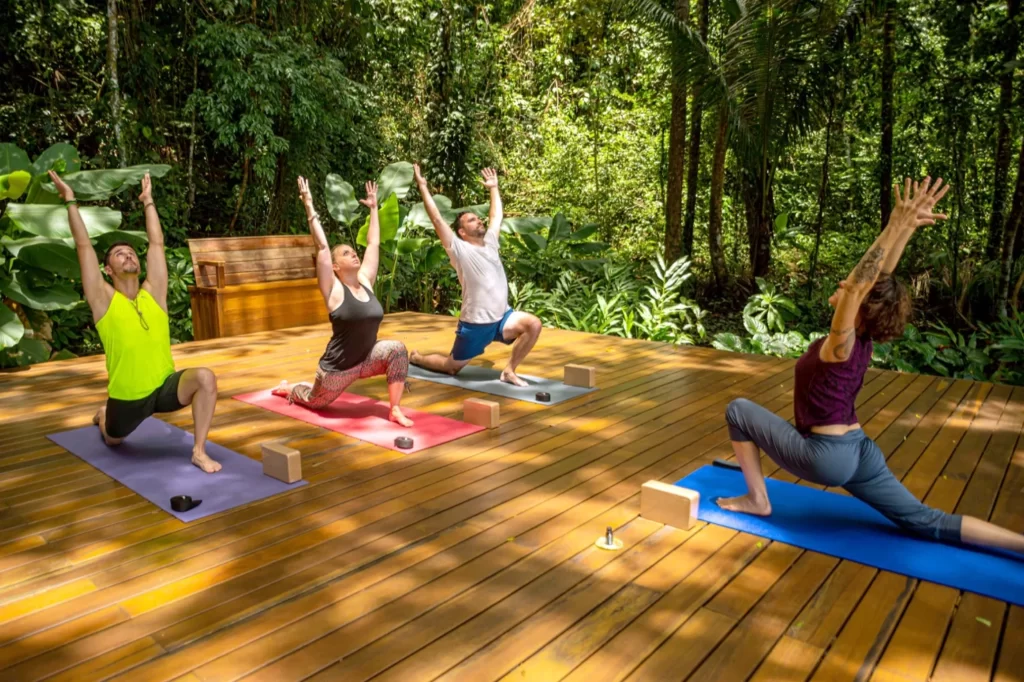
column 110, row 250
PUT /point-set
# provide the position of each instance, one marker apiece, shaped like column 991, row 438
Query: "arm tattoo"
column 867, row 268
column 844, row 346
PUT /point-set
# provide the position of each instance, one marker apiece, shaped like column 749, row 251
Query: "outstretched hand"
column 146, row 195
column 417, row 175
column 304, row 194
column 370, row 201
column 490, row 180
column 914, row 207
column 63, row 189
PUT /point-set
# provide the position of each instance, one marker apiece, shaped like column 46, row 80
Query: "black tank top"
column 355, row 326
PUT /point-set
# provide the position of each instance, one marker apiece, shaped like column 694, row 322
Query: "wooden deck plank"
column 387, row 562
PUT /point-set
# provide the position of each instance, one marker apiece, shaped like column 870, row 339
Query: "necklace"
column 135, row 304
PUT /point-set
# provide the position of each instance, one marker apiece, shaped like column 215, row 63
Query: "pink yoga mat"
column 367, row 420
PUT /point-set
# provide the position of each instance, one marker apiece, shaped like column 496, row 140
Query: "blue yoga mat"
column 847, row 528
column 156, row 462
column 487, row 380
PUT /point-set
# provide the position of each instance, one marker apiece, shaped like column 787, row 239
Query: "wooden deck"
column 476, row 560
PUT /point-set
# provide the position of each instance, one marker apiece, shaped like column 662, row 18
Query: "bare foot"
column 96, row 417
column 399, row 418
column 509, row 377
column 415, row 357
column 282, row 391
column 745, row 505
column 203, row 461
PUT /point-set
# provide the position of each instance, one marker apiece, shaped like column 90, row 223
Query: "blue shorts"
column 472, row 338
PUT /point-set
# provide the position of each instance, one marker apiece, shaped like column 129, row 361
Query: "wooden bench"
column 254, row 284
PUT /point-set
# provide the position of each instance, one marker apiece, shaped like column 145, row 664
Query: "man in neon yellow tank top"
column 132, row 322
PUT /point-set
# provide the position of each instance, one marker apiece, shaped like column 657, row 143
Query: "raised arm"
column 913, row 209
column 156, row 259
column 443, row 229
column 368, row 270
column 97, row 292
column 324, row 266
column 497, row 215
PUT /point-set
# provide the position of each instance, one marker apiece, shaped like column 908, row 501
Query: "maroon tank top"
column 824, row 392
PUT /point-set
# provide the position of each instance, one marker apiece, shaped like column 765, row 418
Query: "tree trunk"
column 822, row 195
column 888, row 68
column 115, row 91
column 192, row 144
column 694, row 168
column 241, row 193
column 1010, row 242
column 676, row 158
column 1004, row 141
column 717, row 187
column 759, row 210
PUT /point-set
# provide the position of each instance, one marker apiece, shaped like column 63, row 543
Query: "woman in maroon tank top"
column 827, row 445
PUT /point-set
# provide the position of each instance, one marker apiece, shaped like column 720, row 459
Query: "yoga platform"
column 476, row 559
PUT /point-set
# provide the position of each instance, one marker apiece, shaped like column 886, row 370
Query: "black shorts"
column 124, row 416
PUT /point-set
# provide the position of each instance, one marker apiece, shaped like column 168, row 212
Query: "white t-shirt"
column 482, row 276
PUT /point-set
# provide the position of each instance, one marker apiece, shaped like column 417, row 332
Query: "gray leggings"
column 852, row 461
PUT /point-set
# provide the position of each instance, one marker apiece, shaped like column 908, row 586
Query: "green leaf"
column 584, row 232
column 63, row 355
column 59, row 296
column 397, row 179
column 31, row 351
column 435, row 256
column 97, row 185
column 781, row 221
column 534, row 242
column 418, row 214
column 734, row 9
column 136, row 238
column 560, row 228
column 341, row 199
column 407, row 246
column 52, row 221
column 525, row 225
column 13, row 185
column 388, row 214
column 479, row 210
column 12, row 158
column 46, row 254
column 49, row 160
column 588, row 247
column 11, row 329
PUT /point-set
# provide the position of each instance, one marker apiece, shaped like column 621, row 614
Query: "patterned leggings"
column 387, row 357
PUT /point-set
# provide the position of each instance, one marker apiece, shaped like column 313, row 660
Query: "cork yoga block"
column 282, row 462
column 480, row 412
column 580, row 375
column 669, row 504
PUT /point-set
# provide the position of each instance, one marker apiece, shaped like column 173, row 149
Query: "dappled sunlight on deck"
column 475, row 560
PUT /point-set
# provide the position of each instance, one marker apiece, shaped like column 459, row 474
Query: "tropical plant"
column 768, row 309
column 40, row 273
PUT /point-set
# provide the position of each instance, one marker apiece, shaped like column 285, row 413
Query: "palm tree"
column 768, row 79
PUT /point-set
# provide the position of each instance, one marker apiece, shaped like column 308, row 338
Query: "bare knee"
column 533, row 325
column 206, row 380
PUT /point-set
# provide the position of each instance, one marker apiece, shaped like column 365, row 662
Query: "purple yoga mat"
column 156, row 462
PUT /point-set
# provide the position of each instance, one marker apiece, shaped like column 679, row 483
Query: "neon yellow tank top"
column 138, row 360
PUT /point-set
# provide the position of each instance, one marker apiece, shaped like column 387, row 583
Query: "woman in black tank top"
column 355, row 313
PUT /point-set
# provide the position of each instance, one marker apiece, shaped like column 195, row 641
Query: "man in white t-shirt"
column 486, row 315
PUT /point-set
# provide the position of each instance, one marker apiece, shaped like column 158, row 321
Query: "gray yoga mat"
column 156, row 462
column 487, row 380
